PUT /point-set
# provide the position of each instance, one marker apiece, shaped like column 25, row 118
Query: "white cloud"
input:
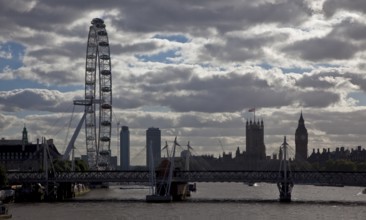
column 35, row 100
column 4, row 53
column 18, row 5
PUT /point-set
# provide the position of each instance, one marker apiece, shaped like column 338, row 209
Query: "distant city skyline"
column 193, row 70
column 254, row 151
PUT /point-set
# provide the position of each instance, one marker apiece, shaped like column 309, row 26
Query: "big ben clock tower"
column 301, row 140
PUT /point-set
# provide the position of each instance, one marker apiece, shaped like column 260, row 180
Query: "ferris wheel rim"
column 98, row 62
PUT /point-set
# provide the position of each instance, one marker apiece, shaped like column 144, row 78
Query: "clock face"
column 303, row 137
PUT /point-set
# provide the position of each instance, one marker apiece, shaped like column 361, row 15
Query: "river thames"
column 211, row 201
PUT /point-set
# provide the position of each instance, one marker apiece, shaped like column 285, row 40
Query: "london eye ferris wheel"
column 98, row 97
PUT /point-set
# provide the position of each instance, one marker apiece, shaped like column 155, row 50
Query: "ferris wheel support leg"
column 73, row 138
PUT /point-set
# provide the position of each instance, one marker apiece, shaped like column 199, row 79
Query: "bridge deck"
column 298, row 177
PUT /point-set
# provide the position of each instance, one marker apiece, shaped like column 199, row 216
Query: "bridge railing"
column 25, row 177
column 322, row 178
column 330, row 178
column 18, row 177
column 103, row 176
column 227, row 176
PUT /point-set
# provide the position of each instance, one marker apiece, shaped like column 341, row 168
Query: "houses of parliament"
column 254, row 158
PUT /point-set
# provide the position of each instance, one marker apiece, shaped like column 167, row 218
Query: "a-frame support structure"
column 285, row 183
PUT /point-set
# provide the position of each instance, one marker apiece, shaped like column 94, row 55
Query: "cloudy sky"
column 191, row 68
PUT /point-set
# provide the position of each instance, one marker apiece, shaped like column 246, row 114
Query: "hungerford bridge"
column 284, row 185
column 320, row 178
column 284, row 178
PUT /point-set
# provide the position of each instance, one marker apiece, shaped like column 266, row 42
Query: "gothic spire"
column 301, row 125
column 301, row 120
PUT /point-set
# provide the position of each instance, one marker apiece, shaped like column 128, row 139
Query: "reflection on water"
column 212, row 200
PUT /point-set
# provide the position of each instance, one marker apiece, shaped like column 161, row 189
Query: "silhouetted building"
column 153, row 140
column 226, row 157
column 358, row 155
column 255, row 148
column 341, row 153
column 301, row 141
column 22, row 155
column 113, row 162
column 240, row 156
column 124, row 148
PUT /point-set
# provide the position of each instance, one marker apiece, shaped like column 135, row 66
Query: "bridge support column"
column 285, row 182
column 285, row 189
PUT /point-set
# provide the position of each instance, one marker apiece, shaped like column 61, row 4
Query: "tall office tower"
column 124, row 148
column 153, row 140
column 255, row 148
column 301, row 140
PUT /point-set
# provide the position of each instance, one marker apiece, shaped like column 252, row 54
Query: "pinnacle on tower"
column 301, row 118
column 25, row 135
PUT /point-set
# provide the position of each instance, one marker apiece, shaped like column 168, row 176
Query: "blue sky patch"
column 146, row 108
column 176, row 38
column 11, row 55
column 162, row 57
column 265, row 66
column 360, row 96
column 295, row 70
column 327, row 65
column 7, row 85
column 205, row 65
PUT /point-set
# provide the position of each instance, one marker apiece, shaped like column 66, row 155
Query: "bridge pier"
column 29, row 192
column 65, row 191
column 285, row 189
column 59, row 191
column 50, row 191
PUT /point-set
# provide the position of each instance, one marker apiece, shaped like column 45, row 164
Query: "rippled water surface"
column 211, row 201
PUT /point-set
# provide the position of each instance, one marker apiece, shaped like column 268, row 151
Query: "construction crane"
column 166, row 148
column 188, row 155
column 221, row 146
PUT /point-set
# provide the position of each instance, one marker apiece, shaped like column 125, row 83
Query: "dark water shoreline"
column 211, row 201
column 238, row 201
